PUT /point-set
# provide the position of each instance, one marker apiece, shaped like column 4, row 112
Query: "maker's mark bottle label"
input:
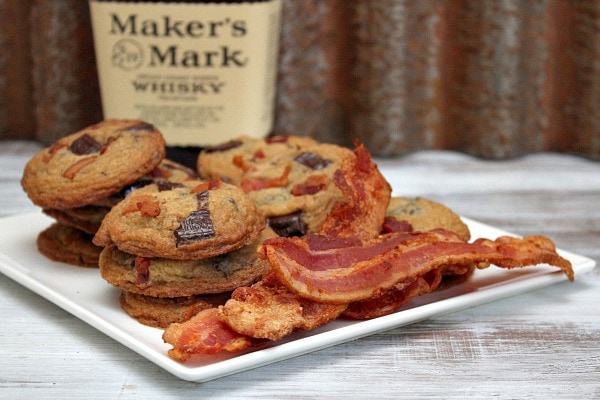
column 202, row 73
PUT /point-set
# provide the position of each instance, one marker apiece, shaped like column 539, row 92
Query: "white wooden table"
column 542, row 344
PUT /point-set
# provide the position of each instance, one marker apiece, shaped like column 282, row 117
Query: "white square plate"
column 90, row 298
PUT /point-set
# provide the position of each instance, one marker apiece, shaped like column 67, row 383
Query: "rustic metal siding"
column 492, row 78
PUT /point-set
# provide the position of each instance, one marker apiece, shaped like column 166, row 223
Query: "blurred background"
column 492, row 78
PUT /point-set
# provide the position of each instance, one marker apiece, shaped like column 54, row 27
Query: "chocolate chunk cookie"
column 69, row 245
column 162, row 277
column 182, row 221
column 92, row 164
column 421, row 214
column 296, row 190
column 230, row 160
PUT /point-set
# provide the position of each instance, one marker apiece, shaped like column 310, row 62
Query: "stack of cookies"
column 175, row 249
column 112, row 181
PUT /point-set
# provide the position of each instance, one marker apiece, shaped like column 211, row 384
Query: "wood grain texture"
column 544, row 344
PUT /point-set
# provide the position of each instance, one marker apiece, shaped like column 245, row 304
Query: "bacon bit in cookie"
column 312, row 161
column 53, row 150
column 238, row 161
column 197, row 226
column 313, row 185
column 259, row 154
column 143, row 203
column 78, row 166
column 109, row 141
column 204, row 186
column 85, row 144
column 251, row 184
column 142, row 268
column 160, row 172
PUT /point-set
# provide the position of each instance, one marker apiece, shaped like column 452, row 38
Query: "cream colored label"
column 201, row 73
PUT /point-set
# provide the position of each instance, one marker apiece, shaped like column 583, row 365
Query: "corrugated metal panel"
column 493, row 78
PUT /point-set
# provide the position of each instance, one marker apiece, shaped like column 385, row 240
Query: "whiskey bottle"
column 203, row 72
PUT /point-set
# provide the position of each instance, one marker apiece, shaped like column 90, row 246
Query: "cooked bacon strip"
column 348, row 268
column 367, row 196
column 391, row 300
column 204, row 334
column 359, row 272
column 268, row 310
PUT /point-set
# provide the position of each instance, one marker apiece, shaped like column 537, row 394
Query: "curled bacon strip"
column 366, row 270
column 268, row 310
column 348, row 269
column 367, row 196
column 204, row 334
column 391, row 300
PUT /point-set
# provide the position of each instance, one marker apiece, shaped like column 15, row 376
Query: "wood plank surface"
column 543, row 344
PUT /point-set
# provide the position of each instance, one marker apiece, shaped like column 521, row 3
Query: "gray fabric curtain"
column 493, row 78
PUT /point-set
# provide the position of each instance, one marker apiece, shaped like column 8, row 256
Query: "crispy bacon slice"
column 391, row 300
column 349, row 268
column 356, row 272
column 269, row 310
column 367, row 196
column 204, row 334
column 266, row 310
